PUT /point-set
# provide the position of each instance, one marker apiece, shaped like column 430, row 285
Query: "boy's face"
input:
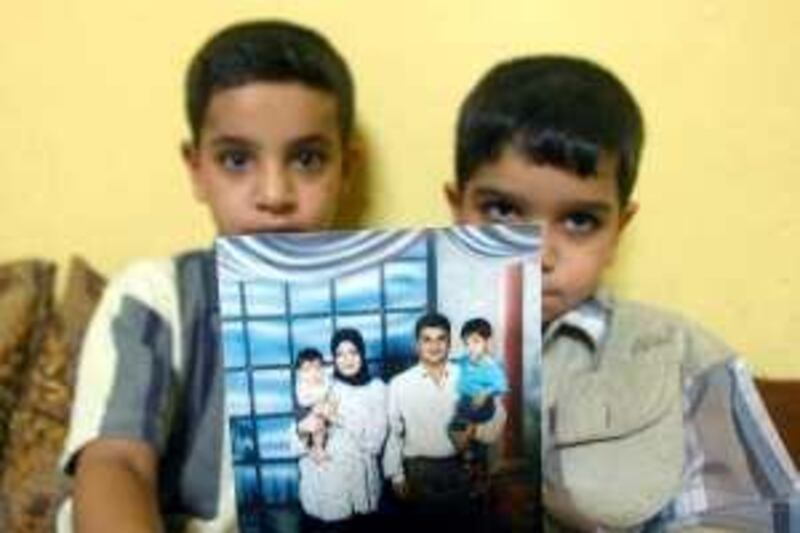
column 270, row 157
column 311, row 373
column 582, row 219
column 476, row 345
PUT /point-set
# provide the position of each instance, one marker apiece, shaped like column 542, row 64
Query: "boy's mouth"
column 550, row 292
column 276, row 228
column 550, row 298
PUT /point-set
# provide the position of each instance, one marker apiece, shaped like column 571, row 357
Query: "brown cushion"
column 782, row 398
column 31, row 481
column 25, row 295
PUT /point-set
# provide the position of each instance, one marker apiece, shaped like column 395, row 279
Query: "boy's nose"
column 275, row 190
column 548, row 259
column 549, row 255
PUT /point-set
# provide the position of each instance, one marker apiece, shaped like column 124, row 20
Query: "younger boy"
column 481, row 381
column 270, row 108
column 313, row 392
column 650, row 422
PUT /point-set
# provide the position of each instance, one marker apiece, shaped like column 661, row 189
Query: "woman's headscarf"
column 354, row 336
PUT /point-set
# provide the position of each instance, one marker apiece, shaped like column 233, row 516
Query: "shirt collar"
column 463, row 358
column 425, row 374
column 589, row 320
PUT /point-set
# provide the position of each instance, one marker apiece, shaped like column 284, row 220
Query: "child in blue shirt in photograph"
column 481, row 380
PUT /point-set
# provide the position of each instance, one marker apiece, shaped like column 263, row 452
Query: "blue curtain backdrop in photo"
column 267, row 321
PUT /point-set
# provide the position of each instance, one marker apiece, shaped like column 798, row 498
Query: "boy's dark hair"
column 270, row 51
column 307, row 355
column 479, row 326
column 556, row 110
column 432, row 320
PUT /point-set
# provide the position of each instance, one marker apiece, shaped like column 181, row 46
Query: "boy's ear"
column 353, row 191
column 191, row 158
column 454, row 198
column 353, row 163
column 626, row 215
column 628, row 212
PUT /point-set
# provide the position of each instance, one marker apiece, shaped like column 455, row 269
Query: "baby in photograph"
column 317, row 405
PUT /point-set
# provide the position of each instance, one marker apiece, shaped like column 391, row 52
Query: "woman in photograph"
column 344, row 488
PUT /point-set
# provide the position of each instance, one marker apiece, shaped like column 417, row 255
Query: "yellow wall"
column 91, row 120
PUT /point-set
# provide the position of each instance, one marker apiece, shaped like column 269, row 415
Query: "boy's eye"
column 581, row 223
column 235, row 160
column 499, row 210
column 309, row 161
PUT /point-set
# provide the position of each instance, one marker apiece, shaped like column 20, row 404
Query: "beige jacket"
column 614, row 415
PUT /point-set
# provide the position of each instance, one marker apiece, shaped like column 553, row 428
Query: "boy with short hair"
column 314, row 400
column 651, row 422
column 270, row 105
column 481, row 381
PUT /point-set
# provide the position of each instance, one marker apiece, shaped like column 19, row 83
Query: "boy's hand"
column 479, row 399
column 332, row 409
column 312, row 423
column 326, row 409
column 461, row 439
column 318, row 409
column 400, row 488
column 116, row 487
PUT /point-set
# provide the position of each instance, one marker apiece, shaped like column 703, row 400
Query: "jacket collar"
column 589, row 321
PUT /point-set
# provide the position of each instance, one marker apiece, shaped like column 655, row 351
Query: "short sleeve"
column 126, row 371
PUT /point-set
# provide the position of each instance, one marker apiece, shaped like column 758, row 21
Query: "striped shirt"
column 150, row 370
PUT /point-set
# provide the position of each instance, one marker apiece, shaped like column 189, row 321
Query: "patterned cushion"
column 25, row 297
column 31, row 481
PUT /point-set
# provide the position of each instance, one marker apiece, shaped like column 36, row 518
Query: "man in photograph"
column 421, row 460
